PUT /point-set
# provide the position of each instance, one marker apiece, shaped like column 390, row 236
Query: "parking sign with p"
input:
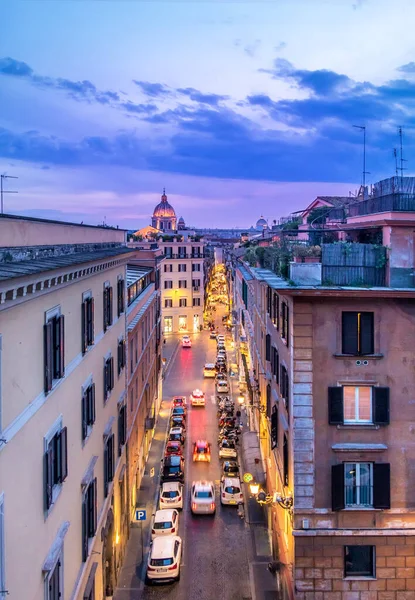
column 140, row 514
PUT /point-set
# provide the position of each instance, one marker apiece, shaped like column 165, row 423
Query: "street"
column 215, row 562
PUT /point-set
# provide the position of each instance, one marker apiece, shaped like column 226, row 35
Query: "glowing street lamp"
column 254, row 488
column 241, row 399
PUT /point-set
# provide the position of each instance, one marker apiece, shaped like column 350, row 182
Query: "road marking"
column 213, row 399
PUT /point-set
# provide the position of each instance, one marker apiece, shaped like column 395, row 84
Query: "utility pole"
column 395, row 153
column 402, row 159
column 2, row 191
column 363, row 128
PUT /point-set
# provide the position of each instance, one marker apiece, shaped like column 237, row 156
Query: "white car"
column 197, row 398
column 220, row 338
column 165, row 522
column 222, row 386
column 164, row 559
column 171, row 495
column 227, row 449
column 186, row 342
column 202, row 498
column 230, row 491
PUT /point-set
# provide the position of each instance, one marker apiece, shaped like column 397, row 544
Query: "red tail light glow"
column 173, row 530
column 172, row 568
column 153, row 531
column 223, row 495
column 194, row 505
column 212, row 506
column 151, row 568
column 241, row 495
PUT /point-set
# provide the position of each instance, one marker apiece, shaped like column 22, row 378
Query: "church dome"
column 261, row 223
column 164, row 209
column 181, row 220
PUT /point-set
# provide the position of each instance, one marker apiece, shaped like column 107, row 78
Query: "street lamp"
column 286, row 502
column 254, row 488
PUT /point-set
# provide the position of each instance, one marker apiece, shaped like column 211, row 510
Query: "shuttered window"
column 55, row 465
column 357, row 333
column 268, row 347
column 107, row 307
column 87, row 332
column 275, row 363
column 55, row 591
column 245, row 293
column 285, row 316
column 268, row 400
column 361, row 484
column 122, row 427
column 54, row 350
column 89, row 516
column 120, row 296
column 182, row 283
column 358, row 405
column 108, row 376
column 285, row 453
column 276, row 310
column 108, row 462
column 88, row 410
column 121, row 357
column 284, row 386
column 269, row 301
column 274, row 427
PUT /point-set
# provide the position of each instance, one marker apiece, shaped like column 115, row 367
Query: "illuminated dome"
column 261, row 223
column 164, row 216
column 181, row 224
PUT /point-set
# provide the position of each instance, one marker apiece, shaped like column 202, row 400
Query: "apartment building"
column 182, row 282
column 143, row 363
column 333, row 367
column 63, row 484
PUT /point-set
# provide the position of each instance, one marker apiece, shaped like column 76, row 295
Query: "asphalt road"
column 215, row 560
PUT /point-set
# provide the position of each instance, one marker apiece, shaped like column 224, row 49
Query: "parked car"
column 179, row 411
column 197, row 398
column 173, row 448
column 230, row 468
column 230, row 491
column 165, row 522
column 209, row 370
column 177, row 434
column 220, row 338
column 171, row 495
column 186, row 342
column 227, row 449
column 202, row 498
column 179, row 401
column 178, row 421
column 212, row 335
column 173, row 469
column 222, row 387
column 164, row 559
column 201, row 451
column 221, row 377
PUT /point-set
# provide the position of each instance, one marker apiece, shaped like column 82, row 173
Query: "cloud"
column 358, row 4
column 9, row 66
column 196, row 96
column 154, row 90
column 138, row 108
column 280, row 46
column 252, row 48
column 408, row 68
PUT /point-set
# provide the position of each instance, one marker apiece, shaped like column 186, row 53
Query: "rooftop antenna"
column 2, row 191
column 364, row 172
column 402, row 159
column 395, row 153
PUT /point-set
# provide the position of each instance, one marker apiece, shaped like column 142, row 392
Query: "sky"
column 238, row 109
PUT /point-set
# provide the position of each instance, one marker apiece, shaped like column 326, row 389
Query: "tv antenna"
column 3, row 176
column 402, row 159
column 395, row 153
column 364, row 172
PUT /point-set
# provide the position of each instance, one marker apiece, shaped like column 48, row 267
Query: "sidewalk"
column 131, row 578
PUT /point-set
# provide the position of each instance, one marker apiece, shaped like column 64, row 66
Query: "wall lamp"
column 262, row 497
column 262, row 409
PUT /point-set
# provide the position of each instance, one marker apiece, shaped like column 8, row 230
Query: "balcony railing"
column 359, row 495
column 354, row 264
column 391, row 203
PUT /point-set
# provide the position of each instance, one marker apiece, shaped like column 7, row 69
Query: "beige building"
column 63, row 419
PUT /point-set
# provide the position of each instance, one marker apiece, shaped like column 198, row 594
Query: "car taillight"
column 223, row 495
column 173, row 530
column 179, row 498
column 151, row 568
column 194, row 505
column 172, row 568
column 212, row 506
column 241, row 495
column 153, row 531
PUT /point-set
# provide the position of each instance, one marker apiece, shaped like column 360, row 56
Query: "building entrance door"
column 183, row 323
column 196, row 323
column 168, row 324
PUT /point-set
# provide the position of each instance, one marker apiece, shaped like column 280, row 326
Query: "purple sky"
column 238, row 109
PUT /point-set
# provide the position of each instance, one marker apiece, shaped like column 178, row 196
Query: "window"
column 121, row 358
column 89, row 516
column 122, row 427
column 182, row 268
column 285, row 315
column 168, row 303
column 276, row 310
column 196, row 267
column 268, row 347
column 182, row 283
column 358, row 405
column 108, row 462
column 120, row 296
column 285, row 460
column 89, row 592
column 196, row 302
column 182, row 302
column 182, row 252
column 168, row 268
column 55, row 464
column 54, row 348
column 168, row 285
column 360, row 484
column 285, row 386
column 168, row 251
column 274, row 427
column 275, row 363
column 357, row 333
column 269, row 300
column 87, row 323
column 88, row 410
column 108, row 376
column 245, row 293
column 196, row 283
column 268, row 400
column 54, row 583
column 359, row 561
column 107, row 307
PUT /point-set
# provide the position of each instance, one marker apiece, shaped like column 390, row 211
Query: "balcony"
column 391, row 203
column 354, row 264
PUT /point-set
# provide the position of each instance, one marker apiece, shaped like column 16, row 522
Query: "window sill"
column 359, row 578
column 361, row 508
column 358, row 426
column 358, row 356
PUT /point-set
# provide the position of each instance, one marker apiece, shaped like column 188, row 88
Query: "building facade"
column 63, row 485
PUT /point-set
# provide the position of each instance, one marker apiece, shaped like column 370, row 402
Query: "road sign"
column 248, row 477
column 140, row 514
column 152, row 472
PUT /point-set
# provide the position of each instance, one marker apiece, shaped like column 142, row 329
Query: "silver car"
column 202, row 498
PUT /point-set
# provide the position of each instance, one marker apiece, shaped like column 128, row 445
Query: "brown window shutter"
column 381, row 485
column 48, row 483
column 63, row 439
column 337, row 487
column 336, row 410
column 48, row 355
column 94, row 505
column 92, row 400
column 85, row 399
column 110, row 306
column 84, row 326
column 350, row 342
column 111, row 372
column 380, row 405
column 105, row 309
column 366, row 333
column 85, row 533
column 61, row 328
column 90, row 321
